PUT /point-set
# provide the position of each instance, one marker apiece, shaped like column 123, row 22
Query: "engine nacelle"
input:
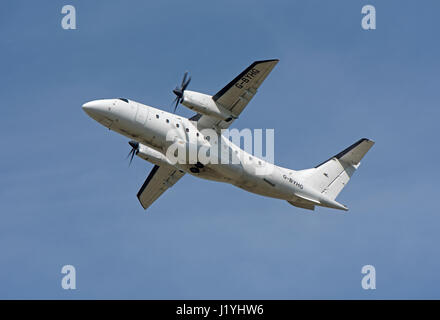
column 151, row 155
column 203, row 103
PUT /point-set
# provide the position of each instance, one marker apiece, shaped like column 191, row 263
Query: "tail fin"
column 331, row 176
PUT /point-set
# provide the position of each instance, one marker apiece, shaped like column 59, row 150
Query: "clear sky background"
column 67, row 195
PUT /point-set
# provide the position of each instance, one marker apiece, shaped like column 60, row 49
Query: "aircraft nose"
column 93, row 107
column 98, row 109
column 101, row 111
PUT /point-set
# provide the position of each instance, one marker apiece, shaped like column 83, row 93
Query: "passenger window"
column 157, row 116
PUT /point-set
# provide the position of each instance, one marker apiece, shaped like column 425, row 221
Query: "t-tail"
column 332, row 175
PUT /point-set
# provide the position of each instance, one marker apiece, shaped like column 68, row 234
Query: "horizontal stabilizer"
column 303, row 205
column 303, row 202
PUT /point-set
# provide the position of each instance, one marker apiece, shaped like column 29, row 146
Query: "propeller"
column 179, row 90
column 134, row 150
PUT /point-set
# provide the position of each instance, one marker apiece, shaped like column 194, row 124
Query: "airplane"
column 149, row 130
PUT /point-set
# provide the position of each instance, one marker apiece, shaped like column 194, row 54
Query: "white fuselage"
column 156, row 129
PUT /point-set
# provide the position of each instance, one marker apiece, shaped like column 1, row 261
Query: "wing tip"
column 368, row 140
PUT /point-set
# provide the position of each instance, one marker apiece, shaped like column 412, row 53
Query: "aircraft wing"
column 236, row 94
column 158, row 181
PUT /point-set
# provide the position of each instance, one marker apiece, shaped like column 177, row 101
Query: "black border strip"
column 266, row 309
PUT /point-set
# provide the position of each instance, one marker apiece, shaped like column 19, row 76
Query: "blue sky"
column 67, row 195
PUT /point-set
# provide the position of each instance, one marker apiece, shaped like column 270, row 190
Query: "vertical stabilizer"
column 331, row 176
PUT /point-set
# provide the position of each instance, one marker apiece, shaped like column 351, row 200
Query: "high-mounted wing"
column 158, row 181
column 236, row 94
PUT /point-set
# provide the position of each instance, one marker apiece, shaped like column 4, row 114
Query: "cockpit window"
column 123, row 99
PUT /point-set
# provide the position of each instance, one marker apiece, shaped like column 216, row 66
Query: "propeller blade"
column 132, row 156
column 186, row 84
column 184, row 79
column 177, row 103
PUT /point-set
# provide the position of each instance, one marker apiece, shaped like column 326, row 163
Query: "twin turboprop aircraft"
column 150, row 129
